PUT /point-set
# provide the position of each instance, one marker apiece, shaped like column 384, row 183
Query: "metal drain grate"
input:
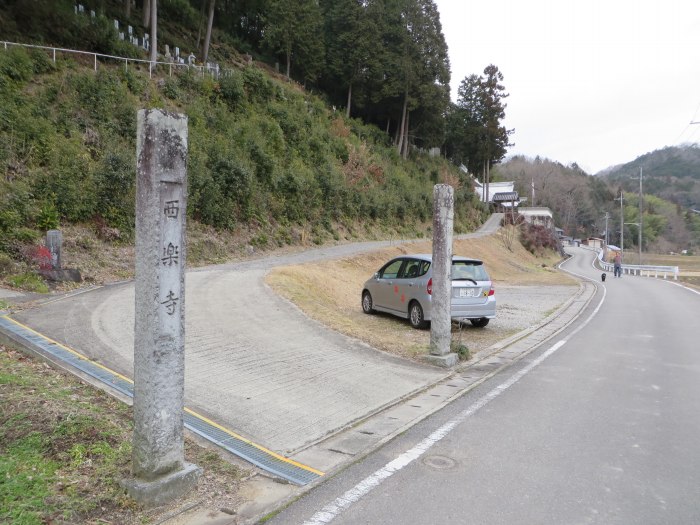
column 237, row 445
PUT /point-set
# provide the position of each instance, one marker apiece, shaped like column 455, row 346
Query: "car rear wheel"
column 480, row 323
column 415, row 315
column 367, row 304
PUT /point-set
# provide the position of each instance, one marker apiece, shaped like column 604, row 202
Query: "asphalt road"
column 600, row 425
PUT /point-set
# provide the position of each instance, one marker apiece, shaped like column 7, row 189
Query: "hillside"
column 270, row 165
column 671, row 173
column 580, row 201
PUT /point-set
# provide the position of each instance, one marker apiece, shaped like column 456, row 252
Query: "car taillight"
column 429, row 288
column 491, row 291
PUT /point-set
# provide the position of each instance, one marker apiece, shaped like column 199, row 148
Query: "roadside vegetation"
column 268, row 163
column 65, row 445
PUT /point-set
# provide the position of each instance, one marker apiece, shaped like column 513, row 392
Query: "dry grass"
column 329, row 292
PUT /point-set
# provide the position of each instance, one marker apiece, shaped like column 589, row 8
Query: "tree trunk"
column 488, row 179
column 207, row 39
column 289, row 63
column 403, row 123
column 154, row 31
column 147, row 13
column 405, row 135
column 127, row 9
column 347, row 111
column 201, row 20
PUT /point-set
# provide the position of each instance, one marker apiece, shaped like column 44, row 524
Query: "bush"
column 536, row 238
column 16, row 65
column 29, row 282
column 233, row 91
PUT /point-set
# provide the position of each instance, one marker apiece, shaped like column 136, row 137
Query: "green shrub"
column 171, row 88
column 16, row 64
column 7, row 264
column 47, row 219
column 233, row 91
column 29, row 282
column 258, row 86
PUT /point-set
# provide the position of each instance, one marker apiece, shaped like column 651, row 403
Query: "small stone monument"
column 159, row 471
column 55, row 271
column 54, row 242
column 441, row 319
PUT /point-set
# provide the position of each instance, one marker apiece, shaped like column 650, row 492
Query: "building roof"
column 505, row 196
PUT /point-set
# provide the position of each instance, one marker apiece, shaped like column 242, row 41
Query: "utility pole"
column 607, row 216
column 622, row 222
column 640, row 215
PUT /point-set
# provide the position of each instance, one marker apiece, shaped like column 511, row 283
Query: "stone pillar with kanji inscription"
column 159, row 471
column 441, row 300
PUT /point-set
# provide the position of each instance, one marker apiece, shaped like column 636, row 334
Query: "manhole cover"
column 439, row 462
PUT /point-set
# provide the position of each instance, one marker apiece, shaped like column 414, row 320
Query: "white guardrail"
column 214, row 71
column 639, row 269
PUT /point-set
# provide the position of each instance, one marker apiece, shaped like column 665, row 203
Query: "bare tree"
column 147, row 13
column 154, row 31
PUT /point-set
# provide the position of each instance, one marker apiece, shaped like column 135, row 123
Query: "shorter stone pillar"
column 54, row 241
column 441, row 301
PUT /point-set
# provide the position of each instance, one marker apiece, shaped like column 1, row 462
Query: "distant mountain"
column 672, row 173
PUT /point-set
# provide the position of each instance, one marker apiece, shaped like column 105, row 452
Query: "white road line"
column 684, row 287
column 332, row 510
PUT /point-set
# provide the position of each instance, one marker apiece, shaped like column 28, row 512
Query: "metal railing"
column 640, row 269
column 204, row 69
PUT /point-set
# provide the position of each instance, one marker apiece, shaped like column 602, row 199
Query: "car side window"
column 424, row 267
column 391, row 270
column 411, row 270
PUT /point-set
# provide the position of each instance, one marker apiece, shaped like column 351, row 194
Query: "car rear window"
column 469, row 270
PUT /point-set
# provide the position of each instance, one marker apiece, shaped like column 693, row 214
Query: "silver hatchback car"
column 404, row 286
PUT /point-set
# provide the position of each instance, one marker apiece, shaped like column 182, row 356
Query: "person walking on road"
column 618, row 264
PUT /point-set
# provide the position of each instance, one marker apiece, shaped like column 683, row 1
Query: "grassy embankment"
column 64, row 446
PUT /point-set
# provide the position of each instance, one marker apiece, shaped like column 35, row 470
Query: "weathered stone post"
column 158, row 463
column 441, row 321
column 54, row 242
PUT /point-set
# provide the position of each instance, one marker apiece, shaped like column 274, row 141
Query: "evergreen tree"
column 475, row 136
column 293, row 28
column 413, row 62
column 351, row 41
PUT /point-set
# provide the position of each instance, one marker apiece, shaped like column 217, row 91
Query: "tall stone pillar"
column 158, row 465
column 441, row 320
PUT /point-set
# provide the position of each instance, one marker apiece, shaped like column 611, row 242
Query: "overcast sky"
column 596, row 82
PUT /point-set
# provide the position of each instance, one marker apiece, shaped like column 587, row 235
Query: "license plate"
column 468, row 292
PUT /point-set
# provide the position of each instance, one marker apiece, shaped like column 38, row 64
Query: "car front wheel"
column 367, row 305
column 415, row 316
column 480, row 323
